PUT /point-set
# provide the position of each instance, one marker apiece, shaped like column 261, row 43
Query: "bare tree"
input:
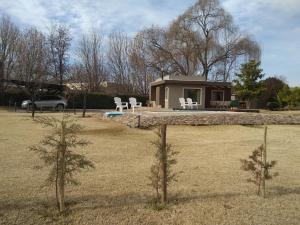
column 202, row 41
column 118, row 61
column 59, row 42
column 91, row 59
column 80, row 84
column 158, row 56
column 181, row 42
column 31, row 61
column 218, row 40
column 142, row 74
column 9, row 35
column 172, row 50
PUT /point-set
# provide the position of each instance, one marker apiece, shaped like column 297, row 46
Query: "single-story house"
column 208, row 94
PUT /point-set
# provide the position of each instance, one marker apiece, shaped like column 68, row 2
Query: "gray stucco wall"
column 176, row 92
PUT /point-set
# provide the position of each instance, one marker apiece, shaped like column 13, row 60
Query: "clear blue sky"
column 275, row 24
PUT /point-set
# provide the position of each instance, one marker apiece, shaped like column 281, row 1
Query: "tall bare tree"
column 157, row 54
column 142, row 74
column 171, row 50
column 80, row 84
column 91, row 59
column 218, row 40
column 118, row 61
column 202, row 41
column 31, row 61
column 59, row 42
column 9, row 35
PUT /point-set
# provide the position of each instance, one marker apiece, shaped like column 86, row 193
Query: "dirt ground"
column 211, row 190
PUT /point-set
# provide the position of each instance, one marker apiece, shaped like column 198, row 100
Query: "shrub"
column 273, row 106
column 100, row 101
column 289, row 97
column 234, row 103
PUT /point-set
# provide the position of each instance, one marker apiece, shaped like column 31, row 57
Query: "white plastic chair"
column 134, row 103
column 183, row 104
column 119, row 104
column 192, row 104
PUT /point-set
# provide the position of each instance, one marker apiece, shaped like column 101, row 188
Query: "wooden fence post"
column 163, row 131
column 264, row 162
column 139, row 121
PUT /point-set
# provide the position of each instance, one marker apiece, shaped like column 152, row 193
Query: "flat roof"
column 191, row 82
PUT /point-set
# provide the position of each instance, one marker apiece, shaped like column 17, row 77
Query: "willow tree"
column 203, row 40
column 56, row 149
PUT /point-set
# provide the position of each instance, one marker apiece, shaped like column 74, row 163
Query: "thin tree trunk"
column 56, row 179
column 163, row 131
column 1, row 83
column 32, row 105
column 264, row 162
column 62, row 185
column 157, row 194
column 74, row 109
column 258, row 189
column 84, row 104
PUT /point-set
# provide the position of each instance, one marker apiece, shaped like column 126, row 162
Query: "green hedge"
column 100, row 101
column 94, row 100
column 12, row 97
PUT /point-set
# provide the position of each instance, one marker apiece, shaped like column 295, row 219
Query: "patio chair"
column 192, row 104
column 119, row 104
column 183, row 103
column 134, row 103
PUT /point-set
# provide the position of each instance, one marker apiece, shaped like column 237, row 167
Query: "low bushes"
column 100, row 101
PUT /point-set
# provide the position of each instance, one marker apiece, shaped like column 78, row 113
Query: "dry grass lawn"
column 211, row 190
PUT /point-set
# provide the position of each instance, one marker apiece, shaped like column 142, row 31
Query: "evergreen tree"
column 161, row 173
column 259, row 167
column 247, row 82
column 57, row 151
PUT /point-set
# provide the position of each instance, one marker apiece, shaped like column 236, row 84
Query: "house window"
column 217, row 95
column 194, row 94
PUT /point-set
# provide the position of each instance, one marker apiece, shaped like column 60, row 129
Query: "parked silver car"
column 46, row 101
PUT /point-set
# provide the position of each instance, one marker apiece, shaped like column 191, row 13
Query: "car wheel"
column 60, row 107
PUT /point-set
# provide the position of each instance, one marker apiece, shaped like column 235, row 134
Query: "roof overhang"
column 196, row 83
